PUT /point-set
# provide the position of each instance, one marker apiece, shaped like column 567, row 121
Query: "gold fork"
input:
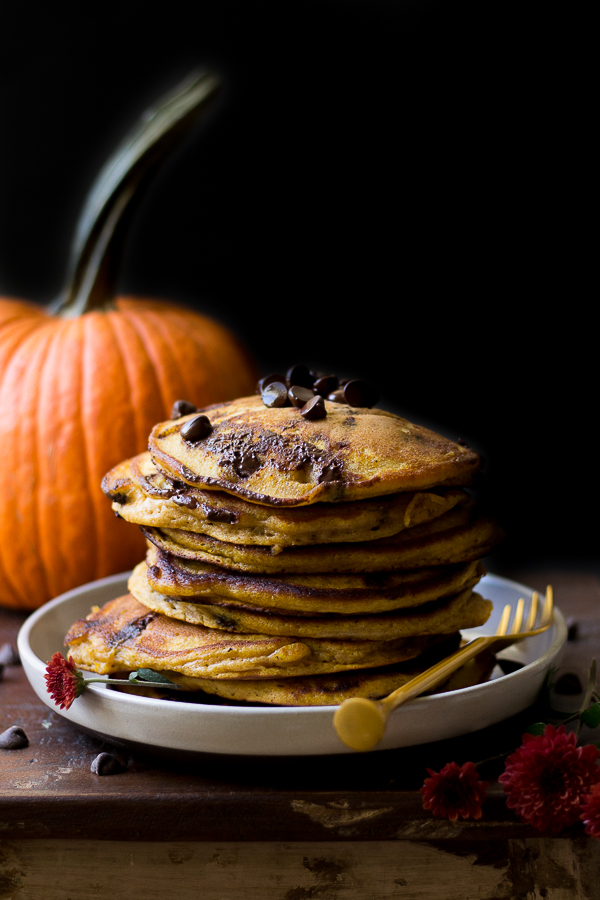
column 360, row 723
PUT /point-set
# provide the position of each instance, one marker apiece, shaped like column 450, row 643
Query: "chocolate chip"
column 220, row 515
column 332, row 471
column 185, row 500
column 337, row 396
column 154, row 572
column 269, row 379
column 1, row 671
column 9, row 655
column 245, row 463
column 300, row 395
column 117, row 497
column 106, row 764
column 325, row 385
column 314, row 409
column 182, row 408
column 196, row 429
column 360, row 393
column 568, row 684
column 275, row 395
column 572, row 629
column 300, row 376
column 14, row 738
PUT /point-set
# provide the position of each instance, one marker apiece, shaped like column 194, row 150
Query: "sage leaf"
column 149, row 676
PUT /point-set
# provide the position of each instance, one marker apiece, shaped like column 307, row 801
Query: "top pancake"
column 277, row 457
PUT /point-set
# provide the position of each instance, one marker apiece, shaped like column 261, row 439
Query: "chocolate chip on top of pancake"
column 276, row 457
column 302, row 546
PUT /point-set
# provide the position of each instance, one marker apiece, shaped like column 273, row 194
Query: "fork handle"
column 438, row 673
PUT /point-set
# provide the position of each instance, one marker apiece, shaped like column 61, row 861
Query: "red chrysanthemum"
column 547, row 777
column 64, row 682
column 590, row 812
column 454, row 791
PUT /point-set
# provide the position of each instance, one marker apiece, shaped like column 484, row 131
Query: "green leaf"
column 591, row 716
column 151, row 677
column 536, row 728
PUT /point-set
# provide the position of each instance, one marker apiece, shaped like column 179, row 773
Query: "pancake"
column 307, row 594
column 318, row 690
column 142, row 494
column 458, row 536
column 464, row 610
column 277, row 457
column 123, row 636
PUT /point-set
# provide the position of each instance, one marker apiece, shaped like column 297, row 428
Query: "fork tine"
column 518, row 619
column 503, row 624
column 548, row 609
column 533, row 608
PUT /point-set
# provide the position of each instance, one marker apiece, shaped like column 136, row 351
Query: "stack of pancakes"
column 292, row 559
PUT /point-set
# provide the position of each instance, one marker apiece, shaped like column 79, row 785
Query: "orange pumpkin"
column 81, row 387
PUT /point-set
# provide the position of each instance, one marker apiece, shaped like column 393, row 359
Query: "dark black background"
column 392, row 190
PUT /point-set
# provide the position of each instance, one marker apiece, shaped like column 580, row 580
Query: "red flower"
column 455, row 791
column 590, row 812
column 547, row 777
column 64, row 682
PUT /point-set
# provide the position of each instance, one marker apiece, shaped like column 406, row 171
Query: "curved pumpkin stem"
column 108, row 210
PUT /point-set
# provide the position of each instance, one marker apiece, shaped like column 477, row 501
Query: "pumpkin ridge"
column 205, row 347
column 47, row 554
column 21, row 326
column 230, row 387
column 17, row 337
column 43, row 340
column 69, row 479
column 5, row 571
column 13, row 310
column 162, row 379
column 125, row 323
column 85, row 382
column 170, row 337
column 176, row 372
column 113, row 436
column 116, row 322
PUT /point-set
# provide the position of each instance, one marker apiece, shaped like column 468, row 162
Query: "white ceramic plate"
column 171, row 726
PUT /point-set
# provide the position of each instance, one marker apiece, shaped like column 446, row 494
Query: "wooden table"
column 233, row 828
